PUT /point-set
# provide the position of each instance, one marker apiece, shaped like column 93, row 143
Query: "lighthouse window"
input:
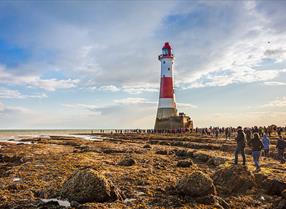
column 165, row 51
column 168, row 68
column 164, row 62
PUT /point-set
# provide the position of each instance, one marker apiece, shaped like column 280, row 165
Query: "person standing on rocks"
column 266, row 144
column 256, row 146
column 240, row 141
column 281, row 145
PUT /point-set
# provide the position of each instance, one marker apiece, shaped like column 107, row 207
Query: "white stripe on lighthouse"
column 166, row 67
column 167, row 103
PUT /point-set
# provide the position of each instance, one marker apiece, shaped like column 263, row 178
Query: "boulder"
column 162, row 152
column 216, row 161
column 184, row 163
column 11, row 159
column 218, row 202
column 126, row 162
column 283, row 194
column 201, row 156
column 147, row 146
column 49, row 204
column 274, row 186
column 164, row 143
column 197, row 184
column 183, row 153
column 87, row 185
column 282, row 204
column 233, row 180
column 260, row 178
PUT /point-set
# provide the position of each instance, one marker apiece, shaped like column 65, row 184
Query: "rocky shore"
column 135, row 171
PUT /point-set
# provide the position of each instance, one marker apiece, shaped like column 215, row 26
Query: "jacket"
column 256, row 145
column 240, row 139
column 281, row 144
column 265, row 142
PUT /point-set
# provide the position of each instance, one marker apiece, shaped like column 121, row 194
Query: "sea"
column 18, row 134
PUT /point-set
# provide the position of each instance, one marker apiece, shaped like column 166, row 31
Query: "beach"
column 145, row 168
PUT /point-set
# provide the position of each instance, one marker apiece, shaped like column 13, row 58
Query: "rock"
column 164, row 143
column 283, row 194
column 75, row 204
column 197, row 184
column 184, row 163
column 183, row 153
column 13, row 159
column 162, row 152
column 153, row 142
column 214, row 200
column 207, row 200
column 127, row 162
column 223, row 203
column 177, row 143
column 274, row 186
column 216, row 161
column 87, row 185
column 259, row 178
column 226, row 147
column 233, row 180
column 50, row 205
column 111, row 151
column 147, row 146
column 282, row 204
column 201, row 157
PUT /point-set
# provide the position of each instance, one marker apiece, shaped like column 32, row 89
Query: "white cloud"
column 140, row 88
column 279, row 102
column 238, row 56
column 186, row 105
column 132, row 101
column 14, row 94
column 110, row 88
column 275, row 83
column 9, row 110
column 52, row 84
column 236, row 75
column 36, row 81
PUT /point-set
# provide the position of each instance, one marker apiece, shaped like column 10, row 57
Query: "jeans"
column 256, row 155
column 241, row 151
column 281, row 155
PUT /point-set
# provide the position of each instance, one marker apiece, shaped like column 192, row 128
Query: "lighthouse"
column 167, row 117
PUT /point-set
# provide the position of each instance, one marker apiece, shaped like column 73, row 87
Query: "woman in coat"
column 256, row 146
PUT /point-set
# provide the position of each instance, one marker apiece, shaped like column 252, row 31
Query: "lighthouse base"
column 174, row 122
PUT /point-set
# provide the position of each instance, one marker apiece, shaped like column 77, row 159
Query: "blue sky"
column 93, row 64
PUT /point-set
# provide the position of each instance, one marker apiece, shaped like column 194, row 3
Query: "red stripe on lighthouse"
column 166, row 88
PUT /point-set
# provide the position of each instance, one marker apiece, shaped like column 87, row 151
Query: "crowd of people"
column 259, row 143
column 257, row 138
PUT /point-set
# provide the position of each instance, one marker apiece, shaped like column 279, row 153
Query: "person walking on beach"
column 266, row 144
column 227, row 133
column 281, row 145
column 248, row 136
column 256, row 146
column 216, row 133
column 240, row 141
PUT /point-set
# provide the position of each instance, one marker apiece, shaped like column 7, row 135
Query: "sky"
column 94, row 64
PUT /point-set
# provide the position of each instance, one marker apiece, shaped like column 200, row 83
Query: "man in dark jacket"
column 281, row 145
column 240, row 141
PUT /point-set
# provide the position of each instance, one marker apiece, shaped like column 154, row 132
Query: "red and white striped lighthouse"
column 167, row 104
